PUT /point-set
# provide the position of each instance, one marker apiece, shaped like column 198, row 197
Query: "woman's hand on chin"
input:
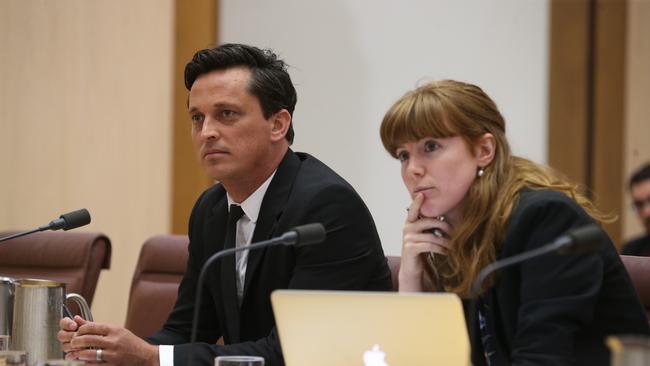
column 421, row 235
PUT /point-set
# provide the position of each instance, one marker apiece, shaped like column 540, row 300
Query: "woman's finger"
column 414, row 209
column 426, row 223
column 428, row 238
column 413, row 249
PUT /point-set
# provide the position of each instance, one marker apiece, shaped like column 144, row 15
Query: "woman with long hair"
column 473, row 202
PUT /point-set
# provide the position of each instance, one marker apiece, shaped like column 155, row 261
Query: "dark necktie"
column 234, row 214
column 229, row 274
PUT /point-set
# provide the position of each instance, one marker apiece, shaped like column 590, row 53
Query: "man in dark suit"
column 640, row 192
column 241, row 103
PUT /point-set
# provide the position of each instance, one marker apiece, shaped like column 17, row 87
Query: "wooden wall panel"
column 196, row 28
column 609, row 95
column 637, row 106
column 568, row 89
column 587, row 98
column 85, row 121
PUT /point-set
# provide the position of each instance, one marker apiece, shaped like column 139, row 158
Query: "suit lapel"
column 272, row 208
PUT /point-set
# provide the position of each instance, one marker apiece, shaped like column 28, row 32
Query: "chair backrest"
column 639, row 271
column 393, row 264
column 75, row 258
column 154, row 288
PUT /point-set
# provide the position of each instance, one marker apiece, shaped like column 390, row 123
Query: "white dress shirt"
column 245, row 228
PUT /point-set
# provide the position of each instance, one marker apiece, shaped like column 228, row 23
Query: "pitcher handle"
column 83, row 305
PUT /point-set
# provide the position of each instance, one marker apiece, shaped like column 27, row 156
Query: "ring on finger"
column 98, row 355
column 437, row 232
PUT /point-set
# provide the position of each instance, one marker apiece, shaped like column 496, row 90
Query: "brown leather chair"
column 639, row 270
column 393, row 264
column 155, row 283
column 75, row 258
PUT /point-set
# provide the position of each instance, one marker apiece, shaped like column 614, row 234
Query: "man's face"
column 229, row 132
column 641, row 199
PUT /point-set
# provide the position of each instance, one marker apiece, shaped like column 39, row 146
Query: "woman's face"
column 441, row 169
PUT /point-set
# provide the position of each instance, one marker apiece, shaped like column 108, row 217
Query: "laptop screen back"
column 339, row 328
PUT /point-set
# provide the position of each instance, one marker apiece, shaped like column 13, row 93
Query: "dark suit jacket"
column 557, row 310
column 302, row 191
column 639, row 247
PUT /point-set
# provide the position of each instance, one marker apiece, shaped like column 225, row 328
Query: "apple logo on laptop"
column 374, row 357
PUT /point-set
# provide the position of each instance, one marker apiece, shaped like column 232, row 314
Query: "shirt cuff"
column 166, row 355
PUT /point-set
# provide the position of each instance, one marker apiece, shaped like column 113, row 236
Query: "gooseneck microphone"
column 67, row 221
column 581, row 240
column 298, row 236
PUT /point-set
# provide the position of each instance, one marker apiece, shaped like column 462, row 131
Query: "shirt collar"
column 251, row 205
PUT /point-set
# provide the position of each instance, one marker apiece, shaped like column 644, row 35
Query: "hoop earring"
column 480, row 172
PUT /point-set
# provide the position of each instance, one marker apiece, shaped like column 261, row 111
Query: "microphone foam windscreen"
column 587, row 238
column 75, row 219
column 310, row 234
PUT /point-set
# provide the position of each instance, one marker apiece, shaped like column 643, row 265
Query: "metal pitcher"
column 6, row 304
column 38, row 308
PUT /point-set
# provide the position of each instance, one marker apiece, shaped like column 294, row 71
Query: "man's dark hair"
column 640, row 175
column 270, row 82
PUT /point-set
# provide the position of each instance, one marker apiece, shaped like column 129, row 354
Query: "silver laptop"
column 341, row 328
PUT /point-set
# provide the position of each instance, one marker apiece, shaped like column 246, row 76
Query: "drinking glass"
column 629, row 350
column 239, row 361
column 13, row 358
column 4, row 342
column 62, row 363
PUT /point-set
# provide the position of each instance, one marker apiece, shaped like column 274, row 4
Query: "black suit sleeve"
column 349, row 257
column 627, row 250
column 204, row 353
column 347, row 260
column 638, row 247
column 557, row 294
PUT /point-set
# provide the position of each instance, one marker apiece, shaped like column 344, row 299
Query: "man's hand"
column 118, row 345
column 68, row 330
